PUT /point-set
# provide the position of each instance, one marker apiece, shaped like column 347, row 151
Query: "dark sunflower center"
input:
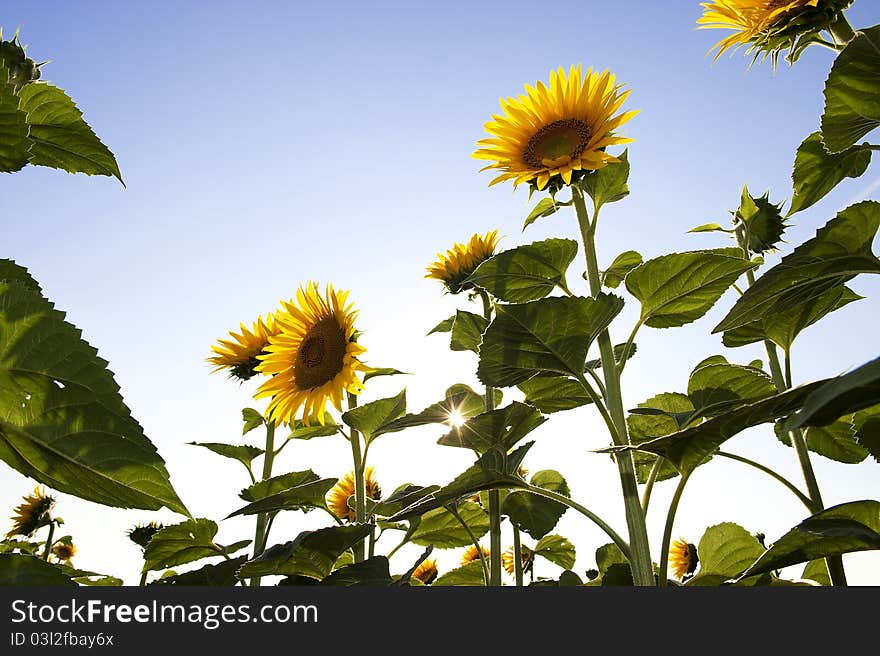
column 568, row 136
column 321, row 355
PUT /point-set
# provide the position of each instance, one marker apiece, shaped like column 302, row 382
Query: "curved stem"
column 397, row 548
column 667, row 530
column 600, row 406
column 517, row 558
column 841, row 31
column 360, row 492
column 494, row 495
column 586, row 512
column 803, row 498
column 599, row 384
column 649, row 484
column 641, row 552
column 629, row 342
column 48, row 548
column 143, row 580
column 486, row 574
column 262, row 518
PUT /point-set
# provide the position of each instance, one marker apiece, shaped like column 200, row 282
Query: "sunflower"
column 508, row 561
column 459, row 262
column 556, row 131
column 750, row 20
column 339, row 494
column 313, row 357
column 33, row 514
column 239, row 354
column 426, row 572
column 682, row 559
column 471, row 554
column 63, row 551
column 142, row 534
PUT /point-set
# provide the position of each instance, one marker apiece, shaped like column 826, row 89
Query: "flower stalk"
column 360, row 489
column 261, row 534
column 494, row 495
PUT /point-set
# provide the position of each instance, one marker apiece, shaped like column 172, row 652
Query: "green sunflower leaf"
column 13, row 127
column 608, row 555
column 403, row 497
column 618, row 356
column 608, row 184
column 503, row 428
column 620, row 267
column 782, row 328
column 252, row 419
column 62, row 418
column 15, row 273
column 710, row 227
column 241, row 452
column 835, row 397
column 646, row 427
column 558, row 550
column 817, row 172
column 373, row 571
column 545, row 207
column 276, row 484
column 303, row 497
column 840, row 251
column 680, row 288
column 867, row 426
column 526, row 273
column 383, row 371
column 460, row 400
column 311, row 554
column 299, row 431
column 837, row 441
column 715, row 387
column 534, row 514
column 727, row 550
column 466, row 575
column 26, row 570
column 440, row 528
column 549, row 335
column 845, row 528
column 181, row 543
column 444, row 326
column 59, row 137
column 221, row 574
column 817, row 570
column 467, row 331
column 554, row 393
column 370, row 418
column 852, row 109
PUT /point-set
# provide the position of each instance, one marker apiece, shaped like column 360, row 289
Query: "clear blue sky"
column 268, row 143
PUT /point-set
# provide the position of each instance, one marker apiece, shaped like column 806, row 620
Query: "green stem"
column 398, row 547
column 48, row 548
column 143, row 581
column 487, row 579
column 667, row 530
column 600, row 405
column 803, row 498
column 586, row 512
column 360, row 492
column 841, row 31
column 788, row 384
column 262, row 518
column 635, row 518
column 494, row 495
column 517, row 558
column 649, row 484
column 629, row 343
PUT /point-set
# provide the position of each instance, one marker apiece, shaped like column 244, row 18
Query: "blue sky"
column 265, row 144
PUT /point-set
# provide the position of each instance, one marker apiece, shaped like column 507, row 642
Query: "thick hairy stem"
column 494, row 495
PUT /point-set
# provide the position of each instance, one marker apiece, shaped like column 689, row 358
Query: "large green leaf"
column 493, row 470
column 12, row 272
column 241, row 452
column 62, row 418
column 839, row 396
column 467, row 331
column 403, row 497
column 537, row 515
column 466, row 575
column 503, row 427
column 816, row 171
column 440, row 528
column 303, row 497
column 460, row 402
column 727, row 550
column 443, row 327
column 370, row 418
column 526, row 273
column 840, row 250
column 817, row 570
column 837, row 441
column 372, row 571
column 867, row 427
column 13, row 127
column 846, row 528
column 382, row 371
column 852, row 92
column 221, row 574
column 549, row 335
column 783, row 327
column 679, row 288
column 718, row 386
column 251, row 418
column 608, row 184
column 311, row 553
column 554, row 393
column 620, row 268
column 26, row 570
column 276, row 484
column 59, row 136
column 650, row 426
column 609, row 555
column 558, row 550
column 181, row 543
column 299, row 431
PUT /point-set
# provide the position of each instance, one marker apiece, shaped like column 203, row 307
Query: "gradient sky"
column 265, row 144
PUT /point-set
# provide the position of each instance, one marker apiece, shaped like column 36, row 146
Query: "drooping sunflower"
column 313, row 358
column 556, row 131
column 239, row 354
column 751, row 20
column 63, row 551
column 509, row 562
column 32, row 514
column 471, row 554
column 683, row 558
column 426, row 572
column 141, row 534
column 460, row 261
column 339, row 494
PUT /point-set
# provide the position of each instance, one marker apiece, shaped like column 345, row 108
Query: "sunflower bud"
column 759, row 223
column 20, row 68
column 142, row 534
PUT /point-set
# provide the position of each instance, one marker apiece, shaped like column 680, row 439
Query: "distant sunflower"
column 749, row 19
column 553, row 132
column 471, row 554
column 141, row 534
column 508, row 562
column 63, row 551
column 239, row 354
column 339, row 494
column 313, row 358
column 682, row 558
column 460, row 261
column 426, row 572
column 33, row 514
